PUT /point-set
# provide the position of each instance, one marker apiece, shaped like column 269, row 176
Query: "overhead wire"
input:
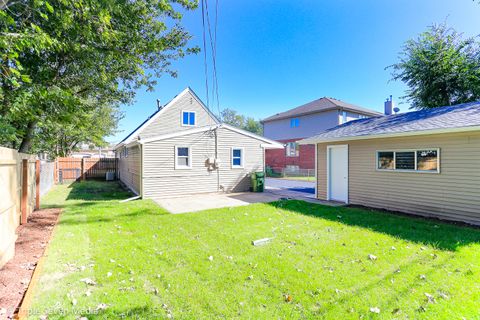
column 205, row 64
column 213, row 47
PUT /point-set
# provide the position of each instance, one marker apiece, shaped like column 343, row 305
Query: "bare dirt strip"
column 15, row 276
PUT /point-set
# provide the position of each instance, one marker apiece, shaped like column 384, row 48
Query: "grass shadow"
column 72, row 219
column 97, row 191
column 442, row 235
column 112, row 312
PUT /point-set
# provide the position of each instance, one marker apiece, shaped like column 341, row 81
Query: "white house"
column 184, row 149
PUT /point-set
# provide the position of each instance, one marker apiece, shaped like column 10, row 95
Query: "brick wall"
column 276, row 158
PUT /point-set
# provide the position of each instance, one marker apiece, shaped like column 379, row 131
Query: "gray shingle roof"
column 319, row 105
column 442, row 118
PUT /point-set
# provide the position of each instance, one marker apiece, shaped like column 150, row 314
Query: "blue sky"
column 273, row 55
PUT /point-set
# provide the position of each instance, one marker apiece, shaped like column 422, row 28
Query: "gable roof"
column 158, row 112
column 458, row 118
column 320, row 105
column 268, row 142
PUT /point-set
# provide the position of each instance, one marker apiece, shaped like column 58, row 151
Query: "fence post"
column 24, row 199
column 37, row 184
column 83, row 168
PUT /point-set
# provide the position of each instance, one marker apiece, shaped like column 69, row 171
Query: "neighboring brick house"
column 305, row 121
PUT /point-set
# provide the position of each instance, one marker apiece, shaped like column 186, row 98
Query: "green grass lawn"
column 147, row 263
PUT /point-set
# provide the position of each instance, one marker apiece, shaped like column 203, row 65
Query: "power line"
column 213, row 47
column 205, row 54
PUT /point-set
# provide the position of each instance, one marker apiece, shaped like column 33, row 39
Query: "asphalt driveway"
column 290, row 185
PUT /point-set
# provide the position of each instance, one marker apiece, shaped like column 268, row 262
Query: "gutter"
column 282, row 117
column 314, row 140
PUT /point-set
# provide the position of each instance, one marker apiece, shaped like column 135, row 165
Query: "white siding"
column 161, row 179
column 129, row 168
column 350, row 116
column 238, row 179
column 170, row 120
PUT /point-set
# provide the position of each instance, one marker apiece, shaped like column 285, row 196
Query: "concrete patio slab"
column 221, row 200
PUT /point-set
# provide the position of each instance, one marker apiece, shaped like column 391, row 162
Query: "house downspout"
column 216, row 157
column 316, row 170
column 264, row 163
column 141, row 170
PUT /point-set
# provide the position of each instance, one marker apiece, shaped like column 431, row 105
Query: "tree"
column 440, row 68
column 65, row 63
column 253, row 125
column 231, row 117
column 61, row 139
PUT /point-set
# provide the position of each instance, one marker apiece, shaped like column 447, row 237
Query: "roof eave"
column 281, row 117
column 315, row 140
column 139, row 130
column 178, row 134
column 268, row 142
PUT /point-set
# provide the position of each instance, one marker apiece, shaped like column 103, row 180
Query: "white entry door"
column 338, row 173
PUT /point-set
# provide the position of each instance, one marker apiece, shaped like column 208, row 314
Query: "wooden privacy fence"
column 19, row 196
column 85, row 168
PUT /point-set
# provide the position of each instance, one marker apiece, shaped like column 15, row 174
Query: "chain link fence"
column 292, row 173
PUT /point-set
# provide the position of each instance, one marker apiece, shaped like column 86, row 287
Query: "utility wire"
column 205, row 54
column 213, row 47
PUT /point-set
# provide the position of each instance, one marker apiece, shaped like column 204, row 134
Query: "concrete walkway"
column 207, row 201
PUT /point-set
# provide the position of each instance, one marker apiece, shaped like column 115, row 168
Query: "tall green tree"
column 63, row 138
column 64, row 63
column 440, row 68
column 231, row 117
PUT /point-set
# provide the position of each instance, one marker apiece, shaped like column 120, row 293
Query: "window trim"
column 297, row 150
column 188, row 125
column 416, row 161
column 190, row 158
column 242, row 158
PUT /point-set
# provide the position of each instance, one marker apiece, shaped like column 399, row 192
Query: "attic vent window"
column 188, row 118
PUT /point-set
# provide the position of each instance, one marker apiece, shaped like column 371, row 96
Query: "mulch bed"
column 15, row 276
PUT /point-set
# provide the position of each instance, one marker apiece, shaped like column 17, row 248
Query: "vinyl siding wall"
column 161, row 179
column 309, row 125
column 238, row 179
column 453, row 194
column 171, row 119
column 350, row 116
column 130, row 168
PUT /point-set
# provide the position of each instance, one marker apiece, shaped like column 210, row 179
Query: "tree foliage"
column 231, row 117
column 440, row 68
column 67, row 66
